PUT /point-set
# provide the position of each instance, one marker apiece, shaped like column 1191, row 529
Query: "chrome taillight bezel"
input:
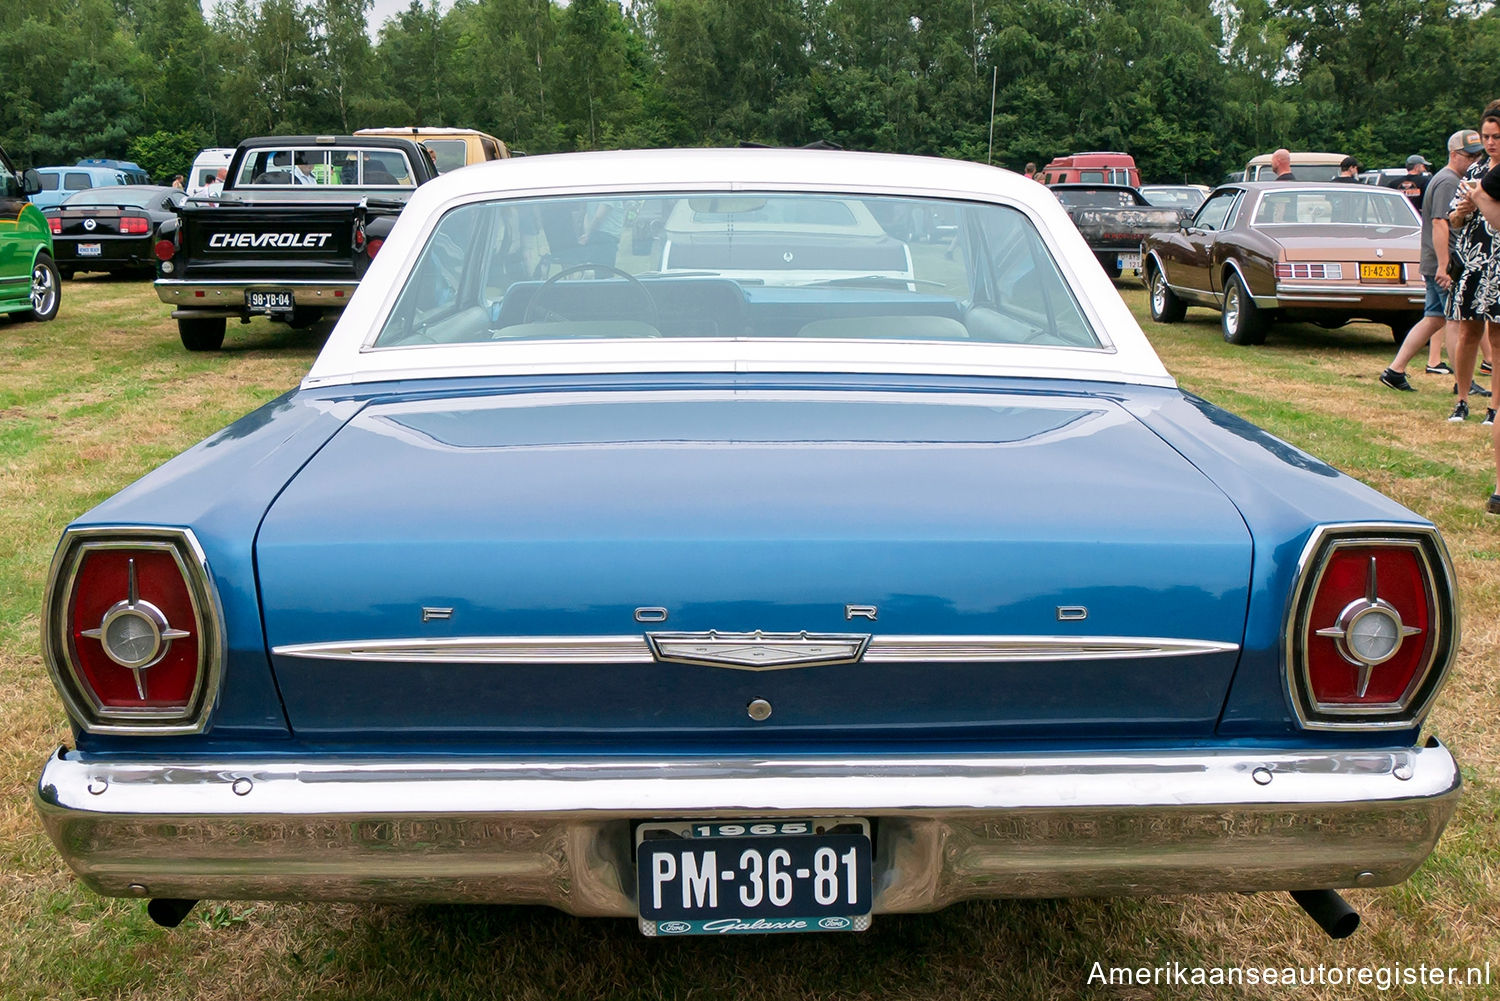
column 1420, row 693
column 208, row 618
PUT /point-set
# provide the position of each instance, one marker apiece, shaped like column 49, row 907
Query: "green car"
column 29, row 283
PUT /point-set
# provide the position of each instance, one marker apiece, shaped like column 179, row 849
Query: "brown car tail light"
column 1373, row 627
column 132, row 630
column 1292, row 272
column 134, row 225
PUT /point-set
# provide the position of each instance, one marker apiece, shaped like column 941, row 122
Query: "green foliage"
column 1191, row 87
column 166, row 154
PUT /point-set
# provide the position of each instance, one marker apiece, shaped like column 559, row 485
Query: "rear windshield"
column 116, row 195
column 1339, row 205
column 450, row 154
column 1097, row 199
column 323, row 165
column 735, row 264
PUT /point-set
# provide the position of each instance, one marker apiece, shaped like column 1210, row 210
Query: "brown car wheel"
column 1244, row 322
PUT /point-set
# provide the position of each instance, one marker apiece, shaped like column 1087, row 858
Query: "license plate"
column 90, row 249
column 1380, row 272
column 1129, row 262
column 753, row 877
column 269, row 302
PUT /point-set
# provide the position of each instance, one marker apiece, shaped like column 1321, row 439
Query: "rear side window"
column 50, row 182
column 76, row 181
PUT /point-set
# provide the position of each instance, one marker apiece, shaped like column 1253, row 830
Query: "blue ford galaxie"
column 834, row 575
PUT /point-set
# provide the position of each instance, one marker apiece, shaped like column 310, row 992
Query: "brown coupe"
column 1265, row 251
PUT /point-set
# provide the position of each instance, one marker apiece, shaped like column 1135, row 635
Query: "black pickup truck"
column 289, row 236
column 1114, row 219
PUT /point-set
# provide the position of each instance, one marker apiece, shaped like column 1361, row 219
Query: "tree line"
column 1191, row 87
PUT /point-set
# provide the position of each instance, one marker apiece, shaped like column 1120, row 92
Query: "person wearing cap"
column 1349, row 171
column 1475, row 298
column 1464, row 148
column 1414, row 182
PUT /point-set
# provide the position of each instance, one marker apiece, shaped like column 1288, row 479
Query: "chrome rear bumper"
column 558, row 832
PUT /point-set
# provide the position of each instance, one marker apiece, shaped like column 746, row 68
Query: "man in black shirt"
column 1413, row 183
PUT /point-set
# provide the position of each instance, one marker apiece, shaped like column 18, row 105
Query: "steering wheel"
column 536, row 313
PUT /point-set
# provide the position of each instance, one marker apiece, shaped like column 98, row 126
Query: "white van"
column 206, row 167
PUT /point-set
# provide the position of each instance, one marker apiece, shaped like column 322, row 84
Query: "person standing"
column 1474, row 298
column 1413, row 183
column 1464, row 148
column 1281, row 163
column 1348, row 171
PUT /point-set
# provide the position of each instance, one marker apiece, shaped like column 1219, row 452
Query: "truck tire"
column 201, row 333
column 1165, row 306
column 1244, row 322
column 46, row 290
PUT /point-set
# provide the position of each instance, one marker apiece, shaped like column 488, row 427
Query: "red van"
column 1092, row 168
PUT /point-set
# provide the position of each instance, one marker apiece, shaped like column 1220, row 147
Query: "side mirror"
column 31, row 182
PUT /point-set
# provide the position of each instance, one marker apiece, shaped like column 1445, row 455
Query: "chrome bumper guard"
column 558, row 832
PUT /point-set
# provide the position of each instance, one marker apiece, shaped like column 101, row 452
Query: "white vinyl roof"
column 348, row 357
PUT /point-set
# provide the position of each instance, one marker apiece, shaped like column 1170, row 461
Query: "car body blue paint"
column 660, row 506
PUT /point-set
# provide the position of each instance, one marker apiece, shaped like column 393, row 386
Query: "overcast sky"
column 379, row 11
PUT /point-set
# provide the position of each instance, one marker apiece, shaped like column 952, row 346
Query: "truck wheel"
column 201, row 334
column 1165, row 306
column 46, row 290
column 1244, row 322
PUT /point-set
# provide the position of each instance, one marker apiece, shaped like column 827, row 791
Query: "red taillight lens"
column 134, row 225
column 55, row 225
column 126, row 620
column 132, row 636
column 1374, row 628
column 165, row 250
column 373, row 248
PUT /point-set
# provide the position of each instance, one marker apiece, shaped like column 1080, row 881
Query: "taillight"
column 1333, row 271
column 373, row 247
column 132, row 633
column 55, row 225
column 134, row 225
column 165, row 249
column 1373, row 627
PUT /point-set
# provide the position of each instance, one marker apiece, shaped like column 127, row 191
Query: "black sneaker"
column 1460, row 412
column 1397, row 380
column 1485, row 369
column 1475, row 389
column 1441, row 368
column 1492, row 506
column 1489, row 418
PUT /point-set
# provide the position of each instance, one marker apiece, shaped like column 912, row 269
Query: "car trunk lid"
column 591, row 565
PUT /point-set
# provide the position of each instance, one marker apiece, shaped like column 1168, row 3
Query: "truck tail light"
column 1373, row 627
column 134, row 225
column 55, row 225
column 373, row 247
column 132, row 633
column 165, row 249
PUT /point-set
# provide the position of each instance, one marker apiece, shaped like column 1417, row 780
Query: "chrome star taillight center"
column 134, row 633
column 1368, row 632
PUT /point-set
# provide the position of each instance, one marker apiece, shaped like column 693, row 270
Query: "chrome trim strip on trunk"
column 557, row 831
column 637, row 650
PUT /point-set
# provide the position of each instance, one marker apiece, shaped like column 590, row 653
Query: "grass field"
column 105, row 393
